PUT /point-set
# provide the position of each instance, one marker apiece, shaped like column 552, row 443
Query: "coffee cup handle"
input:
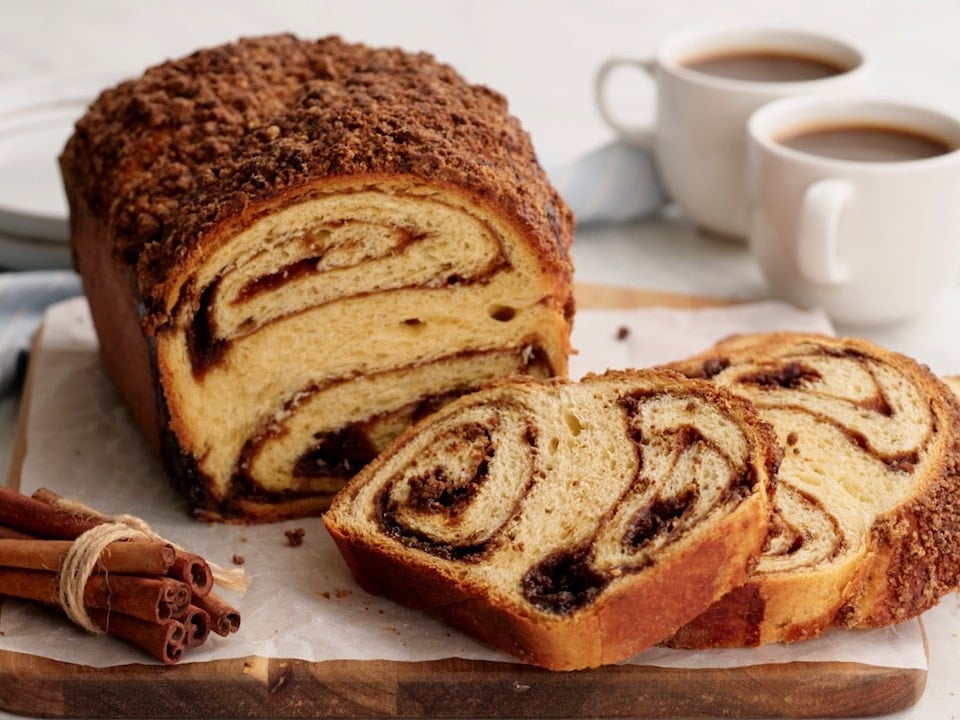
column 818, row 232
column 635, row 133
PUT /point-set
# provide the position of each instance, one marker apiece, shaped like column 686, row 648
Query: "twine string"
column 79, row 564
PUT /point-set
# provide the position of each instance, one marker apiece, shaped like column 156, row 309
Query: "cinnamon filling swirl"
column 479, row 483
column 462, row 485
column 683, row 475
column 841, row 396
column 319, row 257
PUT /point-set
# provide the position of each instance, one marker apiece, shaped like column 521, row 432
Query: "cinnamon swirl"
column 569, row 524
column 293, row 249
column 866, row 528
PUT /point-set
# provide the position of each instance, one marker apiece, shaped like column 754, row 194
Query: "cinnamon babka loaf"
column 293, row 249
column 569, row 524
column 866, row 528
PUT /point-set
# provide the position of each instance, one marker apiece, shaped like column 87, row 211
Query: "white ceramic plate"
column 37, row 114
column 31, row 194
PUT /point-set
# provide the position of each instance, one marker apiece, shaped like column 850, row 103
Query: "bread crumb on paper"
column 295, row 537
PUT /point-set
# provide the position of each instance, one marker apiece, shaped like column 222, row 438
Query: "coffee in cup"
column 764, row 66
column 855, row 204
column 708, row 82
column 866, row 143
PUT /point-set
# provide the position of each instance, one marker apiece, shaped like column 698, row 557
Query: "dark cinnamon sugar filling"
column 789, row 535
column 569, row 579
column 203, row 345
column 437, row 490
column 660, row 516
column 420, row 541
column 320, row 255
column 207, row 344
column 340, row 453
column 788, row 375
column 792, row 373
column 434, row 491
column 564, row 582
column 337, row 454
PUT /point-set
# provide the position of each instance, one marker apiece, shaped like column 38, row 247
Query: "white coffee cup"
column 868, row 240
column 699, row 130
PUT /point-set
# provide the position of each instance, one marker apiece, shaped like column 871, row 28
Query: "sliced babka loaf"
column 293, row 249
column 569, row 524
column 866, row 528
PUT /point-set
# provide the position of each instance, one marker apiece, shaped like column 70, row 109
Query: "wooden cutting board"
column 256, row 687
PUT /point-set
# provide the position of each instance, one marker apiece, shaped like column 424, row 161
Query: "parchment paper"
column 302, row 602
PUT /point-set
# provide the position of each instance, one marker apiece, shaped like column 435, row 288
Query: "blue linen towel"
column 24, row 296
column 616, row 183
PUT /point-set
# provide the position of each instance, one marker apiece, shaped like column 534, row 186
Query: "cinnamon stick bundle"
column 140, row 588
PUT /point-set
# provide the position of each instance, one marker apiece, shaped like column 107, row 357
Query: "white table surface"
column 542, row 55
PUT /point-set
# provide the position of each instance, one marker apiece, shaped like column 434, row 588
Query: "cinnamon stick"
column 84, row 515
column 47, row 496
column 196, row 622
column 165, row 641
column 134, row 557
column 224, row 618
column 10, row 533
column 154, row 600
column 34, row 517
column 193, row 570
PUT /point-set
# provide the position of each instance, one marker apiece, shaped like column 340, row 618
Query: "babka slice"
column 569, row 524
column 866, row 527
column 293, row 249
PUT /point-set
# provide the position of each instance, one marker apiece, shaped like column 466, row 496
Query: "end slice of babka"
column 866, row 523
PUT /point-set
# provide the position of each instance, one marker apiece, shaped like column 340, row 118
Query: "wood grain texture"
column 606, row 297
column 273, row 688
column 256, row 687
